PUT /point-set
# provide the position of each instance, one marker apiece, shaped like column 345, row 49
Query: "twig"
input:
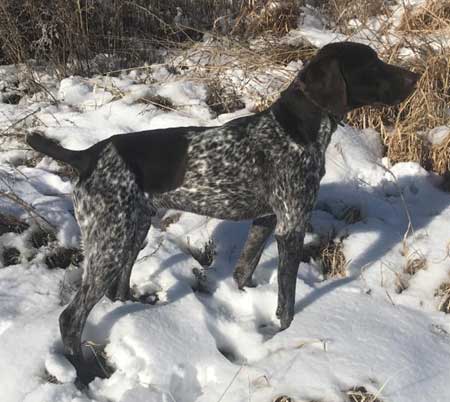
column 158, row 246
column 410, row 228
column 91, row 345
column 20, row 120
column 162, row 22
column 32, row 211
column 38, row 84
column 230, row 384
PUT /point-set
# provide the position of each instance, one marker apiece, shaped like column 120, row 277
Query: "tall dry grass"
column 340, row 13
column 67, row 35
column 404, row 128
column 432, row 16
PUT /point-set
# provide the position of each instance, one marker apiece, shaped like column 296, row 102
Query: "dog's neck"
column 302, row 118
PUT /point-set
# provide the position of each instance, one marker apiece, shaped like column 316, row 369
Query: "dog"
column 265, row 167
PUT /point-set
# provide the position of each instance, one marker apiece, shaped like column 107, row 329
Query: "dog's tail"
column 77, row 159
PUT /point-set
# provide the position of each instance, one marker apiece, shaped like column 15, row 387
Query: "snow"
column 60, row 367
column 438, row 135
column 224, row 344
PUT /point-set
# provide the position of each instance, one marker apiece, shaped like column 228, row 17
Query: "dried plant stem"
column 31, row 211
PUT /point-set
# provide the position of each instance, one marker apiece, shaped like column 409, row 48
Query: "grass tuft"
column 404, row 127
column 332, row 259
column 415, row 264
column 263, row 16
column 10, row 256
column 283, row 398
column 223, row 98
column 443, row 292
column 360, row 394
column 341, row 13
column 203, row 255
column 61, row 257
column 328, row 253
column 9, row 223
column 41, row 238
column 432, row 16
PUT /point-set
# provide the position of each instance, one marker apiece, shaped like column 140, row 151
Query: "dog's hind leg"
column 107, row 210
column 121, row 289
column 106, row 257
column 71, row 324
column 258, row 234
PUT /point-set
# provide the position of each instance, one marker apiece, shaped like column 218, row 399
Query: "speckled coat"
column 265, row 167
column 250, row 168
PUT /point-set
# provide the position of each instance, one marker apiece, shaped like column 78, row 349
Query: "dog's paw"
column 285, row 314
column 242, row 281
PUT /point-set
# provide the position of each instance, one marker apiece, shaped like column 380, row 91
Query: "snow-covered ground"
column 378, row 327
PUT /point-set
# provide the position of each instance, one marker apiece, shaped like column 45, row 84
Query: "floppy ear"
column 323, row 82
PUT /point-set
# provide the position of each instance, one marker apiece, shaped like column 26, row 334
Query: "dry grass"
column 333, row 260
column 415, row 264
column 283, row 398
column 67, row 35
column 166, row 221
column 203, row 255
column 216, row 62
column 10, row 256
column 443, row 292
column 404, row 127
column 328, row 252
column 360, row 394
column 159, row 101
column 9, row 223
column 222, row 98
column 50, row 378
column 440, row 160
column 426, row 109
column 433, row 16
column 266, row 16
column 42, row 238
column 98, row 358
column 342, row 12
column 62, row 257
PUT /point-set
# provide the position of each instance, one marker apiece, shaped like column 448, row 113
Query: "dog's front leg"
column 258, row 234
column 290, row 247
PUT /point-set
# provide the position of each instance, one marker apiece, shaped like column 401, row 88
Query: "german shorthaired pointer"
column 266, row 167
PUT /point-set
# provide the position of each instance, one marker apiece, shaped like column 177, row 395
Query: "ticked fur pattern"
column 265, row 167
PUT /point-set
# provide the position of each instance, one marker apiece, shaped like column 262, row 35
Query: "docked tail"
column 77, row 159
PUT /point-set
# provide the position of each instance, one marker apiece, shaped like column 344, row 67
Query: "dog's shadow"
column 388, row 211
column 382, row 211
column 392, row 211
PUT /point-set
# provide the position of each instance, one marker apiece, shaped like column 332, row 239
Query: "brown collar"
column 333, row 116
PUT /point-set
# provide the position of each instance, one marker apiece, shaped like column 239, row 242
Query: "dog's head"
column 344, row 76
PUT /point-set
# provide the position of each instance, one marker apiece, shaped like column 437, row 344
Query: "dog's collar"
column 335, row 119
